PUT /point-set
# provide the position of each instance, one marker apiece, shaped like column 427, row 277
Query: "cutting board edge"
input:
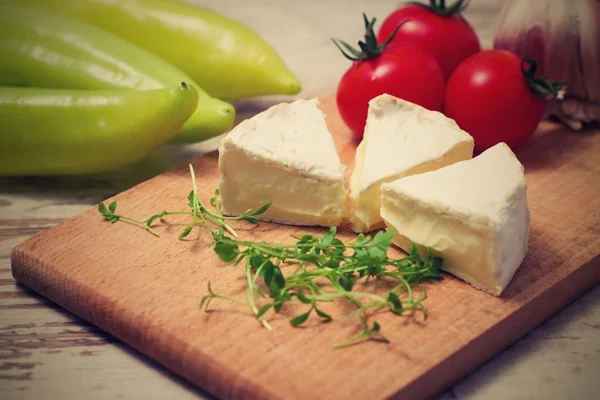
column 552, row 300
column 43, row 285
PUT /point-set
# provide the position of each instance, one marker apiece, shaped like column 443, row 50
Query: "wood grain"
column 145, row 290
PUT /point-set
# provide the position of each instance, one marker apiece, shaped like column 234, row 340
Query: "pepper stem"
column 369, row 48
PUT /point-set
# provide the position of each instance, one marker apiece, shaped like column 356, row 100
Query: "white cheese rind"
column 473, row 213
column 285, row 156
column 401, row 139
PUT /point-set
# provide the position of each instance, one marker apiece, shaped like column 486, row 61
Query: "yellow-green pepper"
column 67, row 131
column 226, row 58
column 46, row 48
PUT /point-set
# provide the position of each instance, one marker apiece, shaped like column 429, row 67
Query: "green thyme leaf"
column 303, row 298
column 226, row 250
column 186, row 231
column 102, row 208
column 323, row 314
column 278, row 278
column 300, row 319
column 261, row 210
column 263, row 310
column 395, row 302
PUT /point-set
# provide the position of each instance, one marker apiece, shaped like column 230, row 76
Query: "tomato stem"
column 441, row 9
column 541, row 86
column 369, row 49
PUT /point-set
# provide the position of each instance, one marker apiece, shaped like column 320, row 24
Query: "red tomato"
column 448, row 37
column 406, row 72
column 488, row 96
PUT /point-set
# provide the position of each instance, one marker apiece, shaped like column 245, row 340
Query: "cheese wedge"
column 401, row 139
column 285, row 156
column 473, row 213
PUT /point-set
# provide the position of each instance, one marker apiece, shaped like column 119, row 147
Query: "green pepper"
column 45, row 48
column 67, row 131
column 228, row 60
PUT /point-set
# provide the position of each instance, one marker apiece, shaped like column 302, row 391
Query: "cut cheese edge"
column 284, row 156
column 401, row 139
column 474, row 214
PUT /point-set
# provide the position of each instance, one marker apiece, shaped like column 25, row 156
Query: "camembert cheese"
column 285, row 156
column 473, row 213
column 401, row 139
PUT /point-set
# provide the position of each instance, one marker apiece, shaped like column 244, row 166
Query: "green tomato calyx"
column 440, row 8
column 541, row 86
column 369, row 48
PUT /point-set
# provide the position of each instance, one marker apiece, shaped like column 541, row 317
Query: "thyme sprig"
column 318, row 268
column 201, row 214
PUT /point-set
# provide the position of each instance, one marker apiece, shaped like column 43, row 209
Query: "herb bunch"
column 314, row 260
column 319, row 268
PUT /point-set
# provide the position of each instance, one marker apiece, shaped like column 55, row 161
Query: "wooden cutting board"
column 146, row 290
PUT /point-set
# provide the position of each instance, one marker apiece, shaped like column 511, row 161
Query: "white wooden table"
column 46, row 352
